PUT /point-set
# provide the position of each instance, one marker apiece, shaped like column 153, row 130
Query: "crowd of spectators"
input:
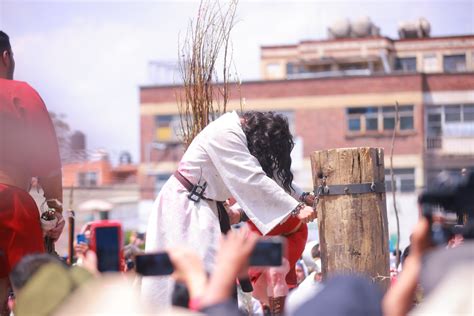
column 44, row 285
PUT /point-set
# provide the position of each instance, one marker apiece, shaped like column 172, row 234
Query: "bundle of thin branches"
column 202, row 99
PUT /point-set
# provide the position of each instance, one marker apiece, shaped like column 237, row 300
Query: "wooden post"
column 71, row 223
column 353, row 228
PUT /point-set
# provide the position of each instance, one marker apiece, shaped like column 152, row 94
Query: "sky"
column 87, row 59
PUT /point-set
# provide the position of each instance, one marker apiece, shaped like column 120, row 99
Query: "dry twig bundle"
column 202, row 100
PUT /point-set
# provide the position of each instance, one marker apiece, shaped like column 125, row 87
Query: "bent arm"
column 265, row 202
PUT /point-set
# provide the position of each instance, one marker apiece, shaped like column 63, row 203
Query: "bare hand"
column 309, row 199
column 235, row 249
column 81, row 249
column 189, row 268
column 187, row 264
column 56, row 232
column 307, row 214
column 234, row 214
column 232, row 258
column 88, row 261
column 421, row 238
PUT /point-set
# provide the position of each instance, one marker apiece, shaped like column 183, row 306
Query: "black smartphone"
column 107, row 247
column 267, row 253
column 153, row 264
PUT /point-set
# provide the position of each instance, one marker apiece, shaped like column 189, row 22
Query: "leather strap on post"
column 353, row 188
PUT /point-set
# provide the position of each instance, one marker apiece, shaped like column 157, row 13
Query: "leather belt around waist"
column 198, row 193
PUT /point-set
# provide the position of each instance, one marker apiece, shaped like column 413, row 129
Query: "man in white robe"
column 220, row 157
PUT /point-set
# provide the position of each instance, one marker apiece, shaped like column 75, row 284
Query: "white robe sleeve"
column 265, row 202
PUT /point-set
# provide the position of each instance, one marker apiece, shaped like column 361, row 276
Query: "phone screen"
column 267, row 253
column 153, row 264
column 107, row 248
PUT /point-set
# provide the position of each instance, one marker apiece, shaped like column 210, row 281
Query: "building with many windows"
column 341, row 92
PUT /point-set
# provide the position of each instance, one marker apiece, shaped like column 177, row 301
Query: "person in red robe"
column 271, row 285
column 28, row 148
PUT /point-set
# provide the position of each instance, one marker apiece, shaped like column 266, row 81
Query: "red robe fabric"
column 295, row 245
column 20, row 232
column 28, row 148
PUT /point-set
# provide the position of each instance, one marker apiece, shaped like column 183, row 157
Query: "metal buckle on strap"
column 197, row 192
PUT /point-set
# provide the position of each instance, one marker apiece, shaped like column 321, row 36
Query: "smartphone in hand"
column 268, row 252
column 152, row 264
column 106, row 242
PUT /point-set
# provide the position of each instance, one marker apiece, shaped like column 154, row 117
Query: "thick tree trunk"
column 353, row 228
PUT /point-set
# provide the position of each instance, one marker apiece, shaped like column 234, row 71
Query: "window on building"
column 452, row 113
column 454, row 63
column 434, row 123
column 291, row 69
column 354, row 118
column 405, row 64
column 389, row 115
column 373, row 119
column 160, row 181
column 453, row 120
column 404, row 179
column 88, row 179
column 468, row 112
column 167, row 127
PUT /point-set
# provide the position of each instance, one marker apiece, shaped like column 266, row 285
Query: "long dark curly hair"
column 270, row 141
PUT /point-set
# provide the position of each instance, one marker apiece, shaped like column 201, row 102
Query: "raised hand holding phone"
column 268, row 252
column 153, row 264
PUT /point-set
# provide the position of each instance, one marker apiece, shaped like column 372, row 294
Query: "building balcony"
column 449, row 145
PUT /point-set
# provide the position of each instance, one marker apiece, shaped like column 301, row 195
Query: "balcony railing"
column 450, row 145
column 434, row 143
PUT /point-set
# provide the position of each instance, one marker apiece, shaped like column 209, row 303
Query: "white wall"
column 408, row 214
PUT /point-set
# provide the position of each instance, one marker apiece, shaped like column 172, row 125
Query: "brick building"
column 341, row 93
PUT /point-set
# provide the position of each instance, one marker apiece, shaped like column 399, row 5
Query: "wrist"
column 296, row 211
column 217, row 292
column 243, row 216
column 303, row 196
column 196, row 286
